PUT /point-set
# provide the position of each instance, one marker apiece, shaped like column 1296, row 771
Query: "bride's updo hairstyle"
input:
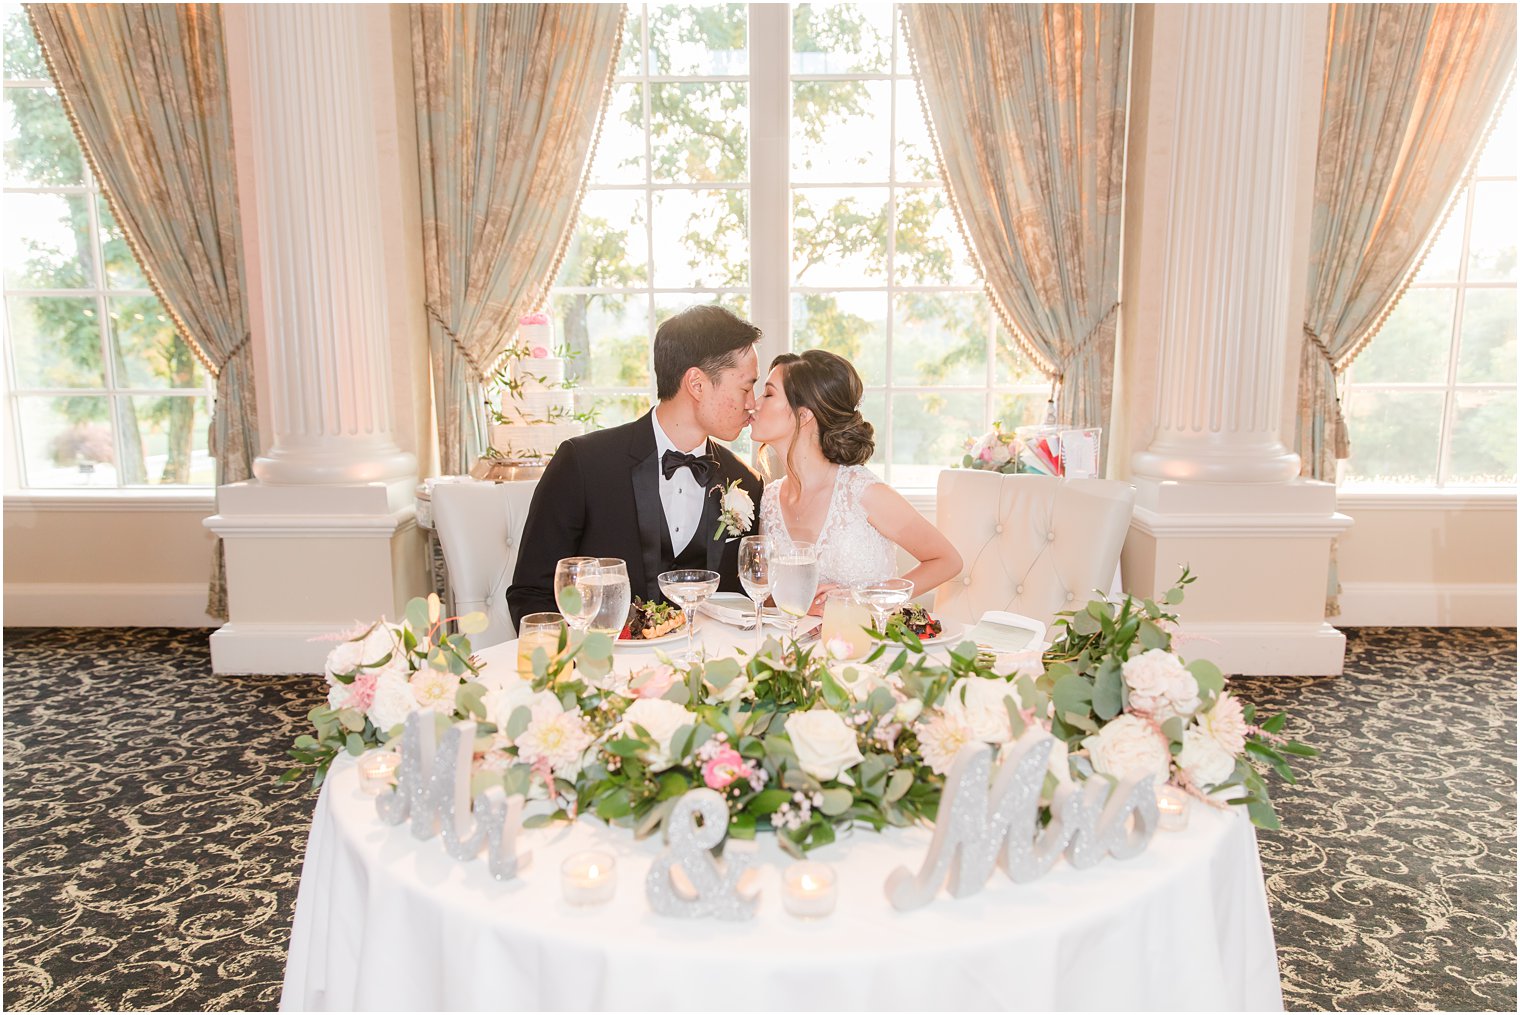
column 828, row 387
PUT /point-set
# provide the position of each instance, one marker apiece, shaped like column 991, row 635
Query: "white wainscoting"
column 92, row 604
column 1425, row 604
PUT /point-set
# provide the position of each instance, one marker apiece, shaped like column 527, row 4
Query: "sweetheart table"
column 386, row 921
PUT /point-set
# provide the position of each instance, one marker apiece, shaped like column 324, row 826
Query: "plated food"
column 916, row 619
column 648, row 621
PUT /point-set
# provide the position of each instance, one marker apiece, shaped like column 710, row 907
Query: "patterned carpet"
column 151, row 862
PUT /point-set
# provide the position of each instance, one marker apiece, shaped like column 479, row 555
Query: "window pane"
column 1019, row 410
column 610, row 246
column 631, row 59
column 839, row 237
column 1498, row 157
column 1414, row 343
column 874, row 408
column 48, row 241
column 606, row 339
column 150, row 353
column 1488, row 336
column 853, row 325
column 612, row 410
column 1013, row 366
column 23, row 57
column 167, row 447
column 915, row 150
column 940, row 338
column 122, row 271
column 67, row 441
column 55, row 341
column 1491, row 248
column 40, row 148
column 841, row 131
column 1444, row 260
column 701, row 238
column 930, row 250
column 699, row 133
column 620, row 149
column 929, row 433
column 841, row 38
column 708, row 40
column 1395, row 436
column 1483, row 439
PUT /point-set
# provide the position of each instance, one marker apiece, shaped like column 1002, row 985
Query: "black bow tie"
column 672, row 462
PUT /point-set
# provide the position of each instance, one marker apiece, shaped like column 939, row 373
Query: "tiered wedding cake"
column 537, row 408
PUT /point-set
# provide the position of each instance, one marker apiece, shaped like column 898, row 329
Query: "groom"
column 649, row 491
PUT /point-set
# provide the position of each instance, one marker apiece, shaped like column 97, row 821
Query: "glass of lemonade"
column 846, row 619
column 617, row 597
column 537, row 630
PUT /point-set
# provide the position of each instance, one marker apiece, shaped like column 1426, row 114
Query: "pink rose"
column 358, row 694
column 723, row 768
column 653, row 681
column 530, row 319
column 539, row 352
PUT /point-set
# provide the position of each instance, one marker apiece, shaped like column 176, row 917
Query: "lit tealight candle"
column 808, row 890
column 377, row 771
column 589, row 878
column 1173, row 805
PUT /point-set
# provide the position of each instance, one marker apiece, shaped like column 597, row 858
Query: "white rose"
column 515, row 694
column 660, row 719
column 980, row 704
column 394, row 701
column 1129, row 748
column 1160, row 685
column 825, row 745
column 1203, row 758
column 737, row 504
column 998, row 453
column 383, row 640
column 346, row 657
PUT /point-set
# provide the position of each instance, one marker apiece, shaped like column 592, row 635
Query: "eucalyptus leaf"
column 417, row 615
column 898, row 784
column 473, row 623
column 836, row 801
column 1108, row 690
column 1210, row 680
column 570, row 601
column 518, row 721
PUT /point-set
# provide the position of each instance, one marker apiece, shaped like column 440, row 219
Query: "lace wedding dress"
column 850, row 550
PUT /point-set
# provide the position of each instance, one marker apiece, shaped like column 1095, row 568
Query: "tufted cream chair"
column 1031, row 545
column 480, row 526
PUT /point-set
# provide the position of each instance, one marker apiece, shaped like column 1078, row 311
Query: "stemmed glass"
column 616, row 597
column 689, row 589
column 883, row 597
column 755, row 576
column 577, row 591
column 794, row 580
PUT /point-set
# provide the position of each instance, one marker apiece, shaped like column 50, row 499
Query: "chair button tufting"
column 966, row 580
column 999, row 529
column 1051, row 536
column 1070, row 596
column 1019, row 590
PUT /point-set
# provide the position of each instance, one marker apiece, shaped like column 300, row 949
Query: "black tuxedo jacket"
column 600, row 497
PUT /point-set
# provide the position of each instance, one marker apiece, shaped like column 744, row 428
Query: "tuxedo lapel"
column 646, row 504
column 711, row 505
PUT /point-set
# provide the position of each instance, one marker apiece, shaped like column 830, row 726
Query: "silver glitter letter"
column 691, row 844
column 418, row 742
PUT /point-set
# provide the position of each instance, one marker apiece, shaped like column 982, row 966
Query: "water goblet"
column 689, row 589
column 794, row 580
column 617, row 597
column 755, row 576
column 883, row 597
column 576, row 591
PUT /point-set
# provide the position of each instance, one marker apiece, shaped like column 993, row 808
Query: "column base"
column 1261, row 555
column 308, row 562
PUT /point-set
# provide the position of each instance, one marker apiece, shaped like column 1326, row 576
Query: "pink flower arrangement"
column 724, row 767
column 653, row 681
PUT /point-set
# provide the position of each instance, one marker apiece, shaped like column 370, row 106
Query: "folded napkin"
column 733, row 609
column 1002, row 632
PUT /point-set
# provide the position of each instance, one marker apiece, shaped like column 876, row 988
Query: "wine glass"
column 689, row 589
column 755, row 576
column 883, row 597
column 576, row 592
column 616, row 597
column 794, row 580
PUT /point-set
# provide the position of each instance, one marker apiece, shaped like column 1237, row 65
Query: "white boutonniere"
column 736, row 511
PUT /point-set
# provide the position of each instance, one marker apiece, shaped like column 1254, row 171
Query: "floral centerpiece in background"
column 993, row 451
column 802, row 743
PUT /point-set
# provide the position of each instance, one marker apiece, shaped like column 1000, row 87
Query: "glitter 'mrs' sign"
column 433, row 789
column 980, row 828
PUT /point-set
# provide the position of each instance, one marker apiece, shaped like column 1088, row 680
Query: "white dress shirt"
column 681, row 495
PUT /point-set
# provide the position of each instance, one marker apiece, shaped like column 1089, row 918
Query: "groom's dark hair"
column 706, row 337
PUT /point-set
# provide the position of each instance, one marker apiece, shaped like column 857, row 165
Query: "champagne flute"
column 883, row 598
column 755, row 576
column 794, row 581
column 577, row 596
column 616, row 597
column 689, row 589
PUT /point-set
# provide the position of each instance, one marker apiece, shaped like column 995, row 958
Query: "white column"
column 1219, row 194
column 318, row 215
column 1227, row 262
column 325, row 537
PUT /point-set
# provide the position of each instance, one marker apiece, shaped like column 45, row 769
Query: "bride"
column 807, row 416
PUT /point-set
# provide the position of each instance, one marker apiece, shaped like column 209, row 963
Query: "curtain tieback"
column 1078, row 350
column 458, row 345
column 1340, row 433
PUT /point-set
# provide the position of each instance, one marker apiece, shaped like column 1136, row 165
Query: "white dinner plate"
column 945, row 636
column 663, row 639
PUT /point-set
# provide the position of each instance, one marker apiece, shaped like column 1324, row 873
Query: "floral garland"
column 802, row 743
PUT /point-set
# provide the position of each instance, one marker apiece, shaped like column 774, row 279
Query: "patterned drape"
column 509, row 101
column 1409, row 91
column 145, row 87
column 1028, row 108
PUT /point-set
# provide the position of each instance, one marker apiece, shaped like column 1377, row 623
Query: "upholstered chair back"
column 1032, row 545
column 480, row 526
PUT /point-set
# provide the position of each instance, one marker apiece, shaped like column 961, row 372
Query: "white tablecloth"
column 384, row 921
